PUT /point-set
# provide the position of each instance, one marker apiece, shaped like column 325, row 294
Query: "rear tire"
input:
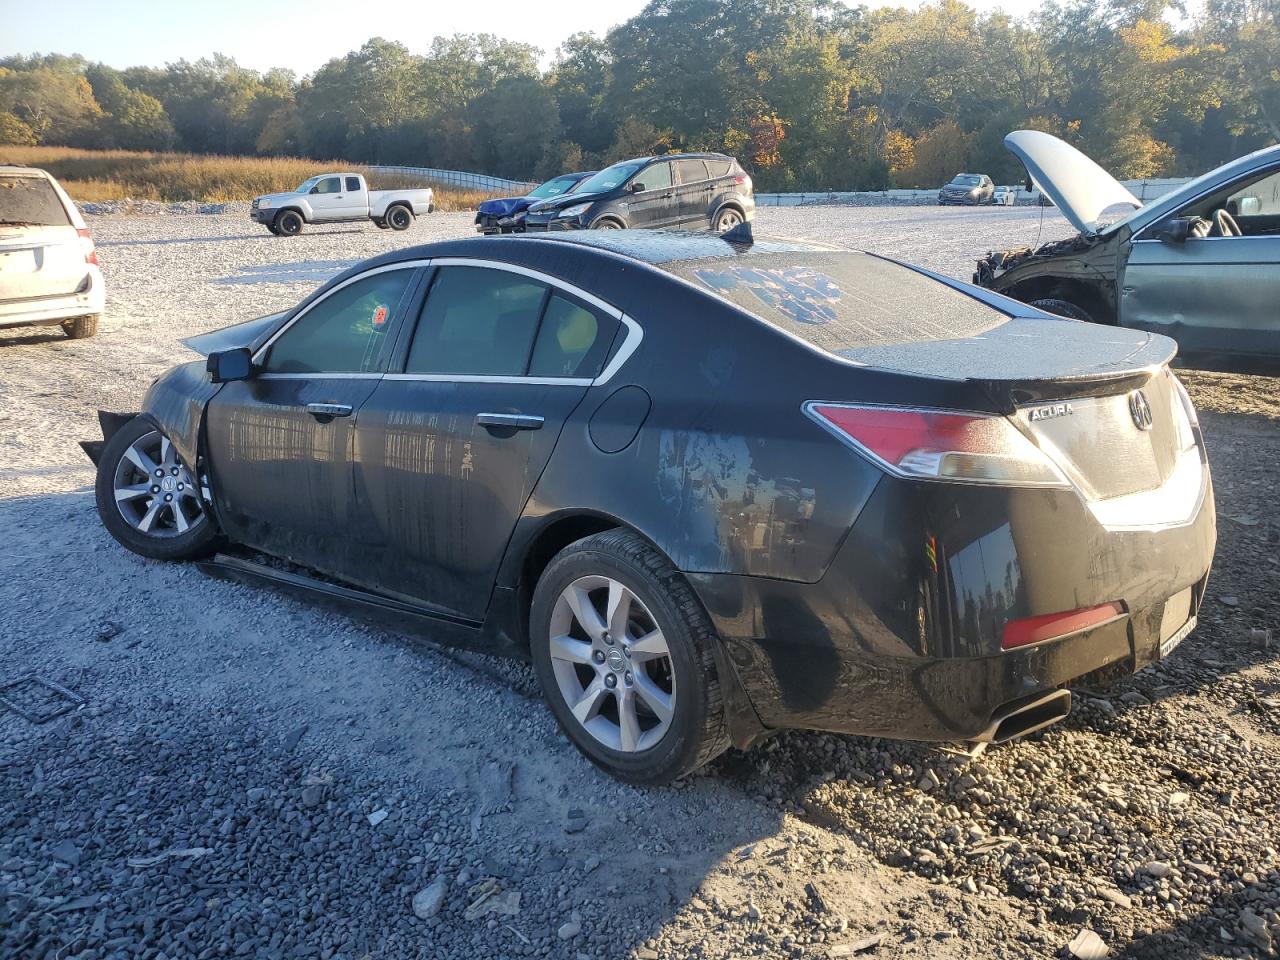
column 1062, row 308
column 726, row 219
column 639, row 697
column 289, row 223
column 130, row 495
column 80, row 328
column 399, row 218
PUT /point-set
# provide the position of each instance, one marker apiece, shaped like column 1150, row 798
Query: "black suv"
column 695, row 190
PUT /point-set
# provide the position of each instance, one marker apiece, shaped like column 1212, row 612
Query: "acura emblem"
column 1140, row 410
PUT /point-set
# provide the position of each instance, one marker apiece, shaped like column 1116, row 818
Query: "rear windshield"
column 842, row 301
column 30, row 201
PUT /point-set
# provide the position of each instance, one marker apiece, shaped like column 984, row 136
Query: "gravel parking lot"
column 253, row 776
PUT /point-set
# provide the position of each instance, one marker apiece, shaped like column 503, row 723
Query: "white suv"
column 48, row 265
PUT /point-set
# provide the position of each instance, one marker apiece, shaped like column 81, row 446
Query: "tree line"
column 809, row 94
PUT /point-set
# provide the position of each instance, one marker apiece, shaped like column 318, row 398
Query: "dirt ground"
column 251, row 775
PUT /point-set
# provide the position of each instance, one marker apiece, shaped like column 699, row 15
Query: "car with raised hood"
column 49, row 272
column 339, row 198
column 711, row 486
column 971, row 189
column 1200, row 264
column 686, row 190
column 506, row 214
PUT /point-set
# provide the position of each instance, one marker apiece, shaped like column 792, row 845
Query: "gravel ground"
column 253, row 776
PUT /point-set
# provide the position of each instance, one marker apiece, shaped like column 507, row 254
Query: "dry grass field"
column 96, row 175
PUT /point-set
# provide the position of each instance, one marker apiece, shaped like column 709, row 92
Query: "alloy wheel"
column 154, row 491
column 612, row 664
column 727, row 220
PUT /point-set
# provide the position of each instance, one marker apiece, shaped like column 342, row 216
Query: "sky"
column 304, row 34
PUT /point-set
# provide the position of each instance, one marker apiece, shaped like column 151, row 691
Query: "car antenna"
column 739, row 235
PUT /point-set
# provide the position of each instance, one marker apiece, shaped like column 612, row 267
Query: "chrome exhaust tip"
column 1020, row 718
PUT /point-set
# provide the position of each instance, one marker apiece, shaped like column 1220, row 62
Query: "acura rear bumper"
column 902, row 636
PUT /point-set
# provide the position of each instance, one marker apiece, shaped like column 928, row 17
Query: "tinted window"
column 655, row 177
column 477, row 321
column 31, row 200
column 572, row 340
column 690, row 171
column 720, row 168
column 353, row 184
column 329, row 185
column 345, row 332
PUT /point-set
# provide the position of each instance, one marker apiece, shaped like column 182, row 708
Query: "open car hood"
column 251, row 334
column 1081, row 189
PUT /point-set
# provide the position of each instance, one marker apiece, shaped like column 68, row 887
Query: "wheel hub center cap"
column 169, row 484
column 617, row 662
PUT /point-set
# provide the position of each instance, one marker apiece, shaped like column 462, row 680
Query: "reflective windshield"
column 610, row 178
column 552, row 188
column 306, row 185
column 966, row 180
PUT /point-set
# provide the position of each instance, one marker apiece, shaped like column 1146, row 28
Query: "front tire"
column 399, row 218
column 625, row 656
column 80, row 328
column 289, row 223
column 148, row 499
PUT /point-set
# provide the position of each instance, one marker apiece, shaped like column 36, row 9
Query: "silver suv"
column 48, row 265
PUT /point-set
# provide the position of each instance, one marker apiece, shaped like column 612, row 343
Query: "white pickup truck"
column 335, row 198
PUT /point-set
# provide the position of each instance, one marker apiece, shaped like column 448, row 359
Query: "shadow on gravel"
column 8, row 339
column 236, row 238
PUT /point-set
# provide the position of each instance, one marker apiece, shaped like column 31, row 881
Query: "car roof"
column 17, row 170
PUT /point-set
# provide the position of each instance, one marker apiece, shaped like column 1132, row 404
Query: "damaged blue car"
column 506, row 214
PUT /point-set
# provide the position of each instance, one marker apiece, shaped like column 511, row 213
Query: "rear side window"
column 572, row 341
column 690, row 171
column 720, row 168
column 31, row 201
column 345, row 332
column 353, row 184
column 478, row 322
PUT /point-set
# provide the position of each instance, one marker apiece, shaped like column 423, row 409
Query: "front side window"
column 329, row 185
column 572, row 341
column 345, row 332
column 353, row 184
column 655, row 177
column 477, row 322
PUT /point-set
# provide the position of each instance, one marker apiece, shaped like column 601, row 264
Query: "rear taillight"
column 940, row 445
column 743, row 180
column 86, row 244
column 1051, row 626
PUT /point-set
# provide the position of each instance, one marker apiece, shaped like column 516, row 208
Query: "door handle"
column 324, row 412
column 510, row 421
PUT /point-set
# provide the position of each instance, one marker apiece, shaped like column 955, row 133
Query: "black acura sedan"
column 711, row 487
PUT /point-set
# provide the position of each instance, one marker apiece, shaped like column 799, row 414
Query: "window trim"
column 635, row 333
column 261, row 352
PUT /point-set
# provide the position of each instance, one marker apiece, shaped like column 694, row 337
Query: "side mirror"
column 226, row 365
column 637, row 187
column 1175, row 230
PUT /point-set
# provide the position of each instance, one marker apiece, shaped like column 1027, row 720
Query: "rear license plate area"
column 1176, row 621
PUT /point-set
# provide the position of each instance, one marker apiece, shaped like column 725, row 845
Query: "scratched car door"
column 280, row 442
column 449, row 449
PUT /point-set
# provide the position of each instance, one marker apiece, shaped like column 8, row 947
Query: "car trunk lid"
column 1081, row 189
column 39, row 261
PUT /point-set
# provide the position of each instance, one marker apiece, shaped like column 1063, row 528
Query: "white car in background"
column 1004, row 196
column 48, row 265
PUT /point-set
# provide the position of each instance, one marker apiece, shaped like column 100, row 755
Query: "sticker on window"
column 801, row 293
column 380, row 315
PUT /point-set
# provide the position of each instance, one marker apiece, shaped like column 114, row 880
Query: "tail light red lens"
column 86, row 244
column 940, row 445
column 1021, row 633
